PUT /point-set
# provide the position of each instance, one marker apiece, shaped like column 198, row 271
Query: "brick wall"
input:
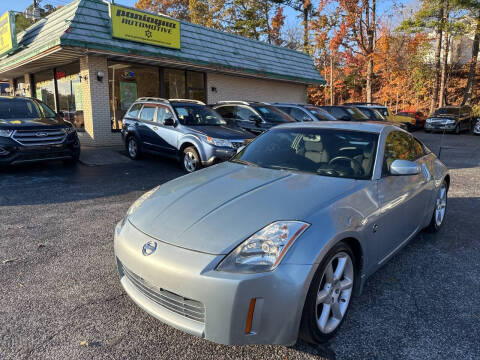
column 96, row 104
column 248, row 89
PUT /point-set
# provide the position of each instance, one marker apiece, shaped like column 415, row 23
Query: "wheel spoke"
column 322, row 321
column 340, row 268
column 329, row 273
column 322, row 296
column 346, row 284
column 336, row 312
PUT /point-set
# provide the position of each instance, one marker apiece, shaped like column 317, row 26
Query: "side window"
column 244, row 113
column 227, row 112
column 398, row 146
column 299, row 114
column 163, row 113
column 337, row 112
column 418, row 148
column 134, row 110
column 148, row 113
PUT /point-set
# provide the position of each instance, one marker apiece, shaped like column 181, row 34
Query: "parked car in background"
column 184, row 129
column 476, row 127
column 273, row 244
column 345, row 113
column 255, row 117
column 387, row 114
column 30, row 131
column 417, row 115
column 374, row 115
column 450, row 119
column 305, row 112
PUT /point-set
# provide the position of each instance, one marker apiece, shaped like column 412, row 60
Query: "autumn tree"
column 278, row 20
column 178, row 9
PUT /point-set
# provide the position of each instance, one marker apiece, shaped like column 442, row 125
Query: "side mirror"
column 169, row 122
column 404, row 167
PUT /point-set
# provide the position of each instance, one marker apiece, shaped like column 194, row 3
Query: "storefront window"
column 174, row 83
column 128, row 82
column 196, row 86
column 19, row 84
column 70, row 94
column 45, row 87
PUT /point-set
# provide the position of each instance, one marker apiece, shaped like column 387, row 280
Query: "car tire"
column 190, row 160
column 324, row 298
column 457, row 130
column 73, row 160
column 439, row 210
column 133, row 147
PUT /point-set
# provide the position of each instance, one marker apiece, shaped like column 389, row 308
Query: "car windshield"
column 197, row 115
column 372, row 114
column 404, row 113
column 320, row 114
column 356, row 114
column 272, row 114
column 381, row 109
column 447, row 111
column 326, row 152
column 20, row 108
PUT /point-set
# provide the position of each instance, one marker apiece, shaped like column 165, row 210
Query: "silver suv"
column 184, row 129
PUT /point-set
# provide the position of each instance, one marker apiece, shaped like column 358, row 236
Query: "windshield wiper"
column 244, row 162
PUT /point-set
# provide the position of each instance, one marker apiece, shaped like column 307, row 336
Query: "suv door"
column 146, row 123
column 249, row 120
column 167, row 135
column 228, row 114
column 402, row 199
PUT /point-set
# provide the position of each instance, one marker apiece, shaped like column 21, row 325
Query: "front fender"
column 195, row 141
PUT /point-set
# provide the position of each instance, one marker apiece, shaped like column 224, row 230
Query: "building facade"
column 84, row 61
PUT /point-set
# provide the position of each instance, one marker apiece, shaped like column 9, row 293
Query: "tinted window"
column 339, row 113
column 447, row 111
column 163, row 113
column 134, row 110
column 398, row 146
column 382, row 110
column 148, row 113
column 195, row 115
column 227, row 112
column 320, row 114
column 327, row 152
column 299, row 114
column 245, row 114
column 272, row 114
column 418, row 148
column 20, row 109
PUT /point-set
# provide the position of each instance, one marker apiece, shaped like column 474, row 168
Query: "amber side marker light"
column 251, row 309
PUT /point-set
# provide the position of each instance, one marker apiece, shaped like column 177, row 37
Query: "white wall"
column 247, row 89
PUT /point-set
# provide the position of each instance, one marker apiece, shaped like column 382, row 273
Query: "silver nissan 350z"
column 273, row 244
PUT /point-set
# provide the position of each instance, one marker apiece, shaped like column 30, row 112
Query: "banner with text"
column 134, row 25
column 8, row 36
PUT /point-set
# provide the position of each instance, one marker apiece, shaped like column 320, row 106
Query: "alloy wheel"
column 132, row 148
column 441, row 205
column 334, row 292
column 190, row 162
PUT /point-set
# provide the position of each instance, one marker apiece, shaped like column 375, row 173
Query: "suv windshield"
column 327, row 152
column 20, row 108
column 320, row 114
column 447, row 111
column 272, row 114
column 197, row 115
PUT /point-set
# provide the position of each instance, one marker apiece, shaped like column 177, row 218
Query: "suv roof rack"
column 188, row 101
column 241, row 102
column 152, row 99
column 291, row 104
column 363, row 103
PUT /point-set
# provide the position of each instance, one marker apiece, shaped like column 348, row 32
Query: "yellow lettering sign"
column 8, row 36
column 134, row 25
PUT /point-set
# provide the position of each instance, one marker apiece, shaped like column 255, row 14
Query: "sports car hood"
column 215, row 209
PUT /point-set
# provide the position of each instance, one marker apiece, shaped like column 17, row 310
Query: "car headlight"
column 429, row 120
column 264, row 250
column 218, row 142
column 5, row 133
column 450, row 122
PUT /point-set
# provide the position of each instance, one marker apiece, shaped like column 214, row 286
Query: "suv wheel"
column 191, row 160
column 133, row 148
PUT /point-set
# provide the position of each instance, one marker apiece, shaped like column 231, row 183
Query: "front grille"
column 39, row 137
column 183, row 306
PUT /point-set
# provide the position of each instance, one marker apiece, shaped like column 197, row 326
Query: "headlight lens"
column 264, row 250
column 218, row 142
column 450, row 122
column 5, row 133
column 140, row 201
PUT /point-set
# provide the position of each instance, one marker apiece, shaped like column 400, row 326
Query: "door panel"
column 145, row 125
column 167, row 135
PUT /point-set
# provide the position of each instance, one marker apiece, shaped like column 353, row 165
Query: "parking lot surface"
column 60, row 297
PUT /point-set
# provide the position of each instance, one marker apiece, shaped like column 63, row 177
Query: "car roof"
column 365, row 126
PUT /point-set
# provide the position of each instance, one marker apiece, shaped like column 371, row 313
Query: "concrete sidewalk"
column 97, row 156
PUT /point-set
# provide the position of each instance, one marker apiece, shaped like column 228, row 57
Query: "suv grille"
column 188, row 308
column 39, row 137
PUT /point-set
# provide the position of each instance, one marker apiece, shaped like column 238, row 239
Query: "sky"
column 292, row 20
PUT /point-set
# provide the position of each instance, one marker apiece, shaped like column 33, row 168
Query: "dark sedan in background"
column 450, row 119
column 30, row 131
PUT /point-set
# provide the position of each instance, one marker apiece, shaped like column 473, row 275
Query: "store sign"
column 8, row 35
column 134, row 25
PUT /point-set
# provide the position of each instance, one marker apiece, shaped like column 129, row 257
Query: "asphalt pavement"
column 60, row 297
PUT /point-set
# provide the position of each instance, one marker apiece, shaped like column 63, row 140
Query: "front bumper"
column 213, row 154
column 440, row 127
column 181, row 288
column 12, row 152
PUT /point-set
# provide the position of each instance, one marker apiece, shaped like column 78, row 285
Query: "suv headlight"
column 5, row 133
column 450, row 121
column 218, row 142
column 264, row 250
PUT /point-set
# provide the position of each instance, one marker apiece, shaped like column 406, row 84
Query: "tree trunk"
column 438, row 47
column 445, row 48
column 332, row 95
column 368, row 87
column 306, row 42
column 473, row 64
